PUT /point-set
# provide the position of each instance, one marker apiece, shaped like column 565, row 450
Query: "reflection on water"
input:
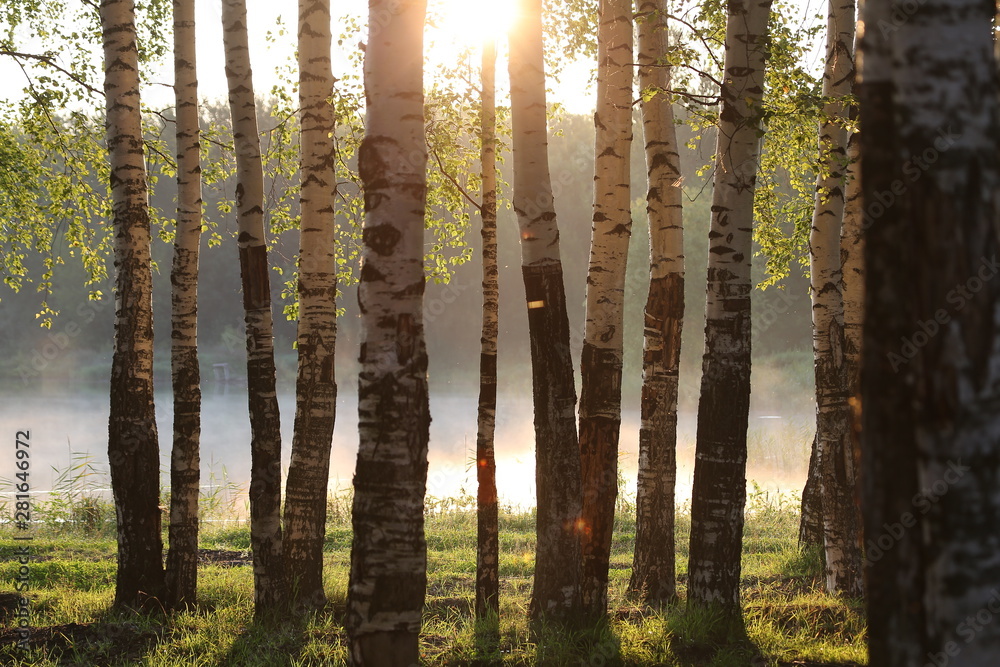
column 74, row 418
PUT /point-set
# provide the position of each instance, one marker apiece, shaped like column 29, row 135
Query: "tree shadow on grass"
column 117, row 637
column 587, row 645
column 274, row 642
column 281, row 637
column 705, row 638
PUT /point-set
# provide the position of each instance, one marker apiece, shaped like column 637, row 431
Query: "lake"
column 68, row 420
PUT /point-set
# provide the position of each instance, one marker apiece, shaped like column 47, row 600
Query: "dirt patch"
column 224, row 558
column 8, row 605
column 449, row 605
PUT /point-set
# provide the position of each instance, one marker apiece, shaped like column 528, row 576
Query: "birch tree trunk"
column 811, row 516
column 653, row 567
column 601, row 363
column 931, row 353
column 133, row 448
column 488, row 542
column 556, row 590
column 389, row 553
column 833, row 456
column 316, row 388
column 265, row 446
column 185, row 460
column 852, row 249
column 852, row 267
column 719, row 491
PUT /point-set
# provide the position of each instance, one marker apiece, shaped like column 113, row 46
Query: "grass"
column 789, row 620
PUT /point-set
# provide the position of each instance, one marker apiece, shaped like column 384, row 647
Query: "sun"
column 465, row 24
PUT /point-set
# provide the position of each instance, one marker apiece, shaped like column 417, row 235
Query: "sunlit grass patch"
column 807, row 626
column 787, row 616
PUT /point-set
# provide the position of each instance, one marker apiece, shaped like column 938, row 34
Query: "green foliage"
column 570, row 33
column 786, row 180
column 59, row 188
column 453, row 178
column 57, row 213
column 788, row 119
column 20, row 177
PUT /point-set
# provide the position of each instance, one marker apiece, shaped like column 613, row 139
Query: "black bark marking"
column 256, row 288
column 382, row 239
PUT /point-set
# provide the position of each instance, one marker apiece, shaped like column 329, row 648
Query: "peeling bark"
column 133, row 448
column 832, row 474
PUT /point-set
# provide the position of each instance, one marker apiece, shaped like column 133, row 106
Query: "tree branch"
column 705, row 100
column 444, row 172
column 48, row 60
column 701, row 38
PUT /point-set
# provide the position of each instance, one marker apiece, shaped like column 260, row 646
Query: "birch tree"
column 488, row 530
column 185, row 461
column 133, row 448
column 389, row 553
column 719, row 490
column 833, row 457
column 653, row 567
column 852, row 248
column 601, row 363
column 556, row 589
column 931, row 353
column 316, row 388
column 265, row 426
column 852, row 269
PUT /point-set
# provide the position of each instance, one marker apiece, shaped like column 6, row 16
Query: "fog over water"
column 44, row 387
column 72, row 418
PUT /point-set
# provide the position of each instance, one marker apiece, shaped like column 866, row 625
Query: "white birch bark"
column 185, row 460
column 389, row 553
column 852, row 267
column 834, row 457
column 931, row 350
column 601, row 363
column 488, row 537
column 719, row 490
column 653, row 568
column 265, row 446
column 852, row 249
column 316, row 388
column 556, row 589
column 133, row 449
